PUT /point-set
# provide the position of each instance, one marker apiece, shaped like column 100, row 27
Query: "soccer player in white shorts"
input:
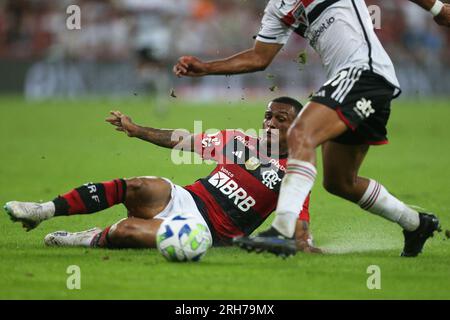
column 347, row 115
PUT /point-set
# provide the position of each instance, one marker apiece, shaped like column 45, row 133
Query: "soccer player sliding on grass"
column 236, row 198
column 347, row 115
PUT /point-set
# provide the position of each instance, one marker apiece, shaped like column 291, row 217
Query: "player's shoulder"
column 274, row 6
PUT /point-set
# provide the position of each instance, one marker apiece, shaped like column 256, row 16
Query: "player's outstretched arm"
column 255, row 59
column 440, row 11
column 166, row 138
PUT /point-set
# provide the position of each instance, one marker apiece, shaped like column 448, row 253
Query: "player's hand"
column 303, row 246
column 189, row 66
column 302, row 234
column 123, row 123
column 443, row 18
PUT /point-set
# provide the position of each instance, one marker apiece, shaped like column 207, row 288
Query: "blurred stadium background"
column 127, row 47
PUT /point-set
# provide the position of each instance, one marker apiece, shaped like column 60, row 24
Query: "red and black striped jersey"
column 242, row 190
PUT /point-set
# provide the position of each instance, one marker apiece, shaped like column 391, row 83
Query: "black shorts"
column 362, row 100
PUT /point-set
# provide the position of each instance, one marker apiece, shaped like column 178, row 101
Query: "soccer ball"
column 183, row 238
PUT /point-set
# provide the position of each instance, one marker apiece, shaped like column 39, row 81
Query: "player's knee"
column 299, row 137
column 332, row 187
column 339, row 187
column 122, row 231
column 136, row 186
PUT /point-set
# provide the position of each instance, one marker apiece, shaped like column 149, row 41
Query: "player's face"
column 277, row 120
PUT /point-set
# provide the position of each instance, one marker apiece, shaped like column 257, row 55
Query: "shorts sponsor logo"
column 231, row 189
column 364, row 108
column 320, row 94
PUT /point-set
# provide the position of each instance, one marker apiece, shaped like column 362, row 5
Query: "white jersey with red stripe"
column 340, row 31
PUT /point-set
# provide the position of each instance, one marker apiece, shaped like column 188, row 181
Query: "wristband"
column 437, row 8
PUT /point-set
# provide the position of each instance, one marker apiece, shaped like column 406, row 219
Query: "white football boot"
column 30, row 214
column 69, row 239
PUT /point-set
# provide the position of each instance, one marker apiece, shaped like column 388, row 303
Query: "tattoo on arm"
column 166, row 138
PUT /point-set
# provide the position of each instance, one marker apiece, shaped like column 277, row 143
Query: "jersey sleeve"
column 273, row 30
column 210, row 146
column 304, row 214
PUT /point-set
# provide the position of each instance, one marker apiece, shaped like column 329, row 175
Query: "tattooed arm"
column 167, row 138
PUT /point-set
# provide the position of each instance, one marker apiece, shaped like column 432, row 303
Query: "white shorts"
column 181, row 203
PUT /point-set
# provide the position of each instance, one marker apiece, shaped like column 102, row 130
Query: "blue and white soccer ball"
column 183, row 238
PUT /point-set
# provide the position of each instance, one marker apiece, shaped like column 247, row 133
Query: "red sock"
column 91, row 198
column 101, row 240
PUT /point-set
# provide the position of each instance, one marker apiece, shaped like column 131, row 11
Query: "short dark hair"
column 290, row 101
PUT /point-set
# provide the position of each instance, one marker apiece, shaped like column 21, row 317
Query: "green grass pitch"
column 50, row 147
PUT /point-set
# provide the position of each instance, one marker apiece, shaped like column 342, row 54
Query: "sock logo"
column 90, row 197
column 92, row 188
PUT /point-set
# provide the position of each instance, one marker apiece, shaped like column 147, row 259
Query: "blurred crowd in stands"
column 156, row 32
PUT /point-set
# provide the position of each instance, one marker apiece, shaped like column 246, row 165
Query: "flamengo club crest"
column 270, row 178
column 252, row 163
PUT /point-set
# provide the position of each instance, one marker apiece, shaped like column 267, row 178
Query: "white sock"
column 379, row 201
column 296, row 186
column 48, row 209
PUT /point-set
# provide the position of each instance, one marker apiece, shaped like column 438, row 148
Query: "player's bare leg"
column 145, row 198
column 127, row 233
column 133, row 233
column 315, row 125
column 341, row 164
